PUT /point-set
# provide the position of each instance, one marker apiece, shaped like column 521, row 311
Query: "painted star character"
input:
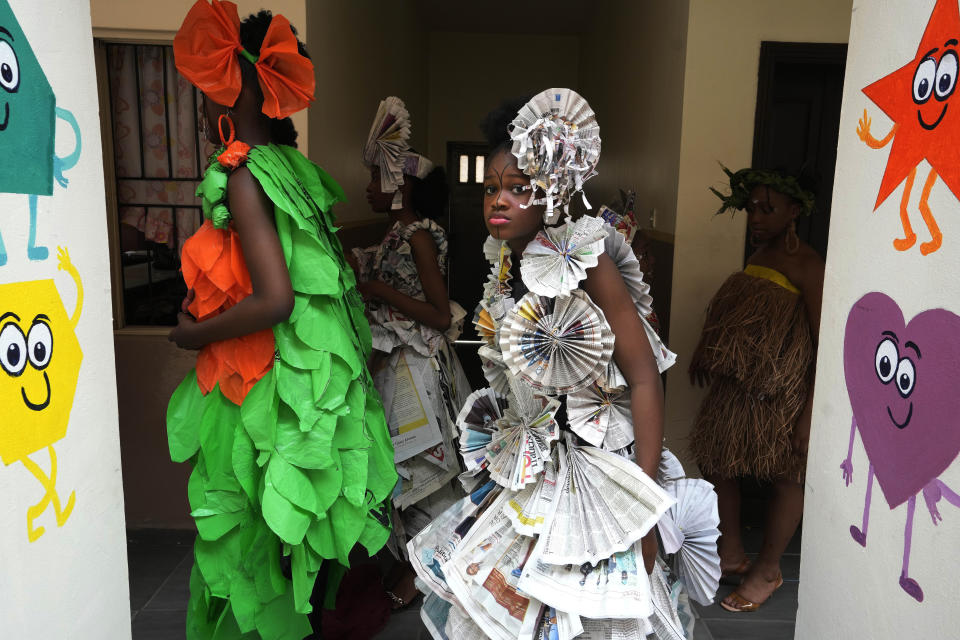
column 39, row 367
column 918, row 97
column 28, row 113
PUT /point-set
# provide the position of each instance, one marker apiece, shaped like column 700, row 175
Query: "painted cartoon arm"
column 64, row 264
column 847, row 465
column 863, row 132
column 932, row 493
column 69, row 161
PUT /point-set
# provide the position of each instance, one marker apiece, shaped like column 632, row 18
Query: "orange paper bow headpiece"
column 206, row 50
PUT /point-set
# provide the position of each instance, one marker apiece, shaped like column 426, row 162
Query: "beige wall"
column 719, row 100
column 364, row 52
column 159, row 21
column 470, row 73
column 631, row 71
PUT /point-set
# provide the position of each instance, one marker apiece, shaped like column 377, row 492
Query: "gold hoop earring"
column 792, row 241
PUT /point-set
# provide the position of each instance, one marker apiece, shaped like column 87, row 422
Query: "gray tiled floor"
column 160, row 564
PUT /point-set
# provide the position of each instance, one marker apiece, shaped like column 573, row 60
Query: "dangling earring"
column 397, row 203
column 233, row 132
column 792, row 241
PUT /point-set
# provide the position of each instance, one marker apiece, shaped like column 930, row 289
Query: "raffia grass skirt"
column 757, row 348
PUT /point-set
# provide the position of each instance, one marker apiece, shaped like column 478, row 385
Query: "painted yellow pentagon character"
column 40, row 361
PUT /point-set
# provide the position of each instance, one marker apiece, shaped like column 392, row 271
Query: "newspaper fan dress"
column 419, row 377
column 556, row 552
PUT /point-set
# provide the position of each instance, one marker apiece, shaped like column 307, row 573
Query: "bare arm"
column 812, row 291
column 272, row 299
column 435, row 311
column 635, row 358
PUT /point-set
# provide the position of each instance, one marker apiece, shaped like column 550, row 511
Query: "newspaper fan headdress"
column 388, row 148
column 556, row 140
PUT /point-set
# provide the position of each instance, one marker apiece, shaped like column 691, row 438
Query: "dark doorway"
column 799, row 91
column 467, row 268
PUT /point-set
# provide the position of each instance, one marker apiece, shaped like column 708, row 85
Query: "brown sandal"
column 738, row 604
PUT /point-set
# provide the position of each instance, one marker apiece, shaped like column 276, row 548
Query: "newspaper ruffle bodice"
column 551, row 530
column 392, row 263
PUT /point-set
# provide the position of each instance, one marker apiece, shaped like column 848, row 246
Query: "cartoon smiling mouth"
column 928, row 127
column 43, row 405
column 899, row 425
column 6, row 116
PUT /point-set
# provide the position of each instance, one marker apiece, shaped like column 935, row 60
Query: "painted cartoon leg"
column 3, row 253
column 935, row 235
column 902, row 244
column 33, row 251
column 907, row 583
column 50, row 484
column 860, row 535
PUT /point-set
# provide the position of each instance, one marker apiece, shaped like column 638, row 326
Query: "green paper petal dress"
column 304, row 466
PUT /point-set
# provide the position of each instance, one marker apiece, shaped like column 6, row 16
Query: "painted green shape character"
column 28, row 112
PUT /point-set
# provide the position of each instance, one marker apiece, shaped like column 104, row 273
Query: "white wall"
column 72, row 581
column 719, row 100
column 846, row 590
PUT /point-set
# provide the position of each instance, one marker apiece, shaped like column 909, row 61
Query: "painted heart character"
column 902, row 379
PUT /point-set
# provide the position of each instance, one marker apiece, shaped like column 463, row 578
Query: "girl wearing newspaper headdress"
column 291, row 456
column 413, row 323
column 575, row 394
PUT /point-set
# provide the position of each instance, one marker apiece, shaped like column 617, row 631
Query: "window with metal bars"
column 157, row 162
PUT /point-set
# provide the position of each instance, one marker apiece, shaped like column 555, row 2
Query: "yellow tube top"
column 772, row 275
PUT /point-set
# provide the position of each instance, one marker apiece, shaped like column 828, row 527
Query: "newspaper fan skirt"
column 557, row 259
column 558, row 345
column 604, row 504
column 477, row 422
column 528, row 508
column 600, row 417
column 556, row 140
column 690, row 530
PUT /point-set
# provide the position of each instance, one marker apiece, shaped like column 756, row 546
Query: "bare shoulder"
column 809, row 268
column 421, row 240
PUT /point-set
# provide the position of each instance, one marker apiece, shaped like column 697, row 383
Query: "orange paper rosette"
column 206, row 50
column 214, row 269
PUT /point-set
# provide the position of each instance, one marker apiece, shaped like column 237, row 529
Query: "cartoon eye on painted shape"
column 901, row 379
column 39, row 366
column 28, row 113
column 917, row 97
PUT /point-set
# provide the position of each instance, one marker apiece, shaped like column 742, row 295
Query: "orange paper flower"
column 206, row 50
column 214, row 269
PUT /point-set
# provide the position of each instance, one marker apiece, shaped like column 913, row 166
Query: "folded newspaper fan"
column 494, row 369
column 520, row 449
column 622, row 255
column 483, row 321
column 558, row 345
column 557, row 259
column 387, row 142
column 528, row 508
column 600, row 417
column 670, row 468
column 556, row 140
column 477, row 422
column 604, row 503
column 689, row 530
column 665, row 621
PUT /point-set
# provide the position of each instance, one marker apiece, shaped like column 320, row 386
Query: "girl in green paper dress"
column 292, row 460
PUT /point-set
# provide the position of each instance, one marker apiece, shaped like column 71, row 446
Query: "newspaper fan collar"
column 388, row 146
column 556, row 140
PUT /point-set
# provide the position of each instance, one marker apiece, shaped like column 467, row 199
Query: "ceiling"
column 564, row 17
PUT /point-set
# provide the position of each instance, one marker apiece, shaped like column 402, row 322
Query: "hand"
column 184, row 306
column 932, row 495
column 863, row 127
column 58, row 172
column 184, row 333
column 847, row 466
column 370, row 290
column 801, row 437
column 648, row 546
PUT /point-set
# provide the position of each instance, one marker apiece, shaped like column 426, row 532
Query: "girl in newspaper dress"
column 413, row 323
column 575, row 396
